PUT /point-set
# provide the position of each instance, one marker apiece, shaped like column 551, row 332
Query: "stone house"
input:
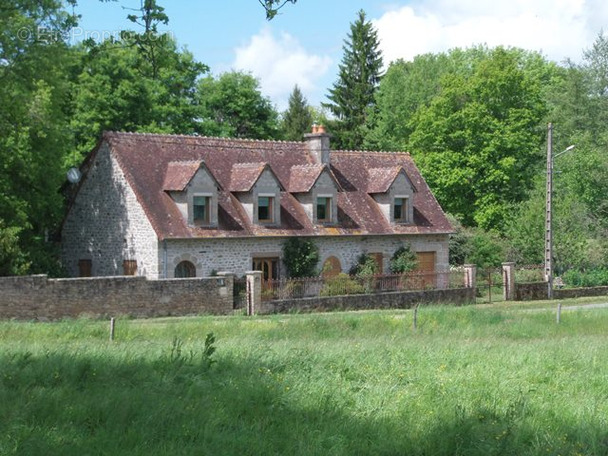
column 165, row 206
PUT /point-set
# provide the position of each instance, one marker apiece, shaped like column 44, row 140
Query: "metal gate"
column 490, row 282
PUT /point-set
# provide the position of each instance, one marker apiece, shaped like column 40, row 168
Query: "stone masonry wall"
column 533, row 291
column 235, row 255
column 107, row 225
column 538, row 291
column 40, row 298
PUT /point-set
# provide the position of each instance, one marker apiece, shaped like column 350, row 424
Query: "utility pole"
column 549, row 214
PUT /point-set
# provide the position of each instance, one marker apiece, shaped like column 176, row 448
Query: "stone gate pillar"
column 470, row 275
column 254, row 291
column 226, row 285
column 508, row 281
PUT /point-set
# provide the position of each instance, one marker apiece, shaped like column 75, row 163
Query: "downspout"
column 165, row 258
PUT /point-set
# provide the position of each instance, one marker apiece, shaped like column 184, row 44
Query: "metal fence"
column 343, row 284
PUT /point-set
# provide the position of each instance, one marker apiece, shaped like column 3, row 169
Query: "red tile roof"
column 151, row 163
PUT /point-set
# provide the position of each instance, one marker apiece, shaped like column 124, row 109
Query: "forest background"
column 475, row 120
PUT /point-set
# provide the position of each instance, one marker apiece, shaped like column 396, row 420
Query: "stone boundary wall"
column 41, row 298
column 538, row 291
column 392, row 300
column 533, row 291
column 566, row 293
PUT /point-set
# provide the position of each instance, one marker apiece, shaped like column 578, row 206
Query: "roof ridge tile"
column 197, row 136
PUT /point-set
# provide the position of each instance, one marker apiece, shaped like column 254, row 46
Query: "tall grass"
column 468, row 381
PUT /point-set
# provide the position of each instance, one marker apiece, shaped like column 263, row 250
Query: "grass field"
column 479, row 380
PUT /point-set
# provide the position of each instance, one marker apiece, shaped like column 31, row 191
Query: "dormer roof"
column 380, row 180
column 302, row 178
column 180, row 173
column 244, row 176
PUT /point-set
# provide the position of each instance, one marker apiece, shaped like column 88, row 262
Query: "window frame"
column 328, row 208
column 271, row 197
column 207, row 219
column 404, row 218
column 187, row 266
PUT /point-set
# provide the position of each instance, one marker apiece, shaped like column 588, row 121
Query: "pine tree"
column 297, row 120
column 352, row 96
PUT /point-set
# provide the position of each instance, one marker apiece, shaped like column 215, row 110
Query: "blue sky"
column 303, row 44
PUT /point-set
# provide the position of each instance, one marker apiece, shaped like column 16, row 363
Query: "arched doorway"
column 331, row 268
column 184, row 270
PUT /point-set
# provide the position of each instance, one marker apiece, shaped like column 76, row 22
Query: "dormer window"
column 266, row 205
column 400, row 209
column 324, row 212
column 201, row 209
column 194, row 190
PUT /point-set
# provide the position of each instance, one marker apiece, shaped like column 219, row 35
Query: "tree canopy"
column 478, row 141
column 233, row 105
column 34, row 133
column 297, row 120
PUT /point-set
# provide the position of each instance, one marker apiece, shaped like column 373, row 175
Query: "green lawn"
column 479, row 380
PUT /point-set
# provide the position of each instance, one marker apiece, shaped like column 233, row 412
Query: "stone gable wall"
column 40, row 298
column 106, row 224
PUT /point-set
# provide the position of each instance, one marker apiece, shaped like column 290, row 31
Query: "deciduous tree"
column 34, row 136
column 116, row 89
column 233, row 106
column 478, row 143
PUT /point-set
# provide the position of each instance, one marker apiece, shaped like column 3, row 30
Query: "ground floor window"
column 184, row 270
column 129, row 267
column 84, row 268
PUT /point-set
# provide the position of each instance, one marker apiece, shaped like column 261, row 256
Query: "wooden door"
column 268, row 266
column 426, row 268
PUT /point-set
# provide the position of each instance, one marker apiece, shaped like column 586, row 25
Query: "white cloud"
column 557, row 28
column 280, row 63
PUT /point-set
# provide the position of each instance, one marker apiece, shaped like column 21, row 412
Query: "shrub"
column 403, row 260
column 342, row 284
column 366, row 266
column 487, row 249
column 593, row 278
column 301, row 257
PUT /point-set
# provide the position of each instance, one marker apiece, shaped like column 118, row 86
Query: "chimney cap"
column 318, row 129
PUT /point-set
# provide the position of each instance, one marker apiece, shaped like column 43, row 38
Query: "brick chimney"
column 318, row 144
